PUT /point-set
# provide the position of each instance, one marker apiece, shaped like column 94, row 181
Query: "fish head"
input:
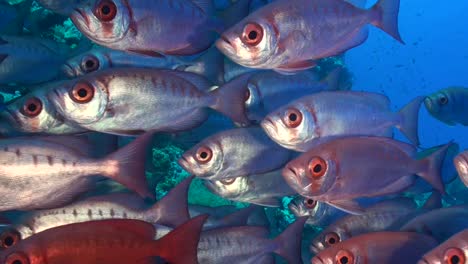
column 329, row 237
column 229, row 188
column 103, row 21
column 82, row 101
column 291, row 126
column 341, row 254
column 85, row 63
column 453, row 250
column 9, row 237
column 204, row 160
column 252, row 42
column 302, row 206
column 440, row 105
column 461, row 164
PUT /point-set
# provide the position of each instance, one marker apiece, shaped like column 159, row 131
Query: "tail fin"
column 289, row 242
column 172, row 209
column 127, row 165
column 230, row 99
column 409, row 116
column 433, row 202
column 180, row 245
column 432, row 166
column 209, row 65
column 386, row 17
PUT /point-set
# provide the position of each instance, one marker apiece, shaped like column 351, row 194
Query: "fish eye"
column 253, row 34
column 203, row 155
column 443, row 100
column 32, row 107
column 228, row 181
column 106, row 10
column 454, row 256
column 331, row 239
column 317, row 167
column 17, row 258
column 344, row 257
column 292, row 118
column 89, row 64
column 310, row 203
column 82, row 93
column 9, row 238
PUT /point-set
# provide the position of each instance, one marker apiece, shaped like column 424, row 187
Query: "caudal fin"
column 127, row 165
column 180, row 245
column 172, row 209
column 289, row 242
column 409, row 116
column 385, row 14
column 432, row 166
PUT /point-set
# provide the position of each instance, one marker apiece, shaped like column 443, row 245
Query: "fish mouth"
column 83, row 16
column 423, row 261
column 225, row 45
column 428, row 103
column 68, row 70
column 317, row 260
column 184, row 163
column 269, row 126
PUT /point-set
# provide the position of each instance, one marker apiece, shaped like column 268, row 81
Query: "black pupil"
column 454, row 260
column 331, row 241
column 203, row 155
column 32, row 107
column 8, row 241
column 17, row 262
column 105, row 10
column 443, row 100
column 293, row 117
column 89, row 64
column 253, row 35
column 344, row 260
column 82, row 93
column 317, row 168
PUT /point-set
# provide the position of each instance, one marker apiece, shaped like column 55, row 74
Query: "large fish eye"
column 9, row 238
column 106, row 10
column 82, row 93
column 253, row 34
column 17, row 258
column 331, row 239
column 203, row 155
column 454, row 256
column 443, row 100
column 344, row 257
column 89, row 64
column 310, row 203
column 32, row 107
column 317, row 167
column 292, row 118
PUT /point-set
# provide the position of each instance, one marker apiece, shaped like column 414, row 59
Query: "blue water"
column 435, row 56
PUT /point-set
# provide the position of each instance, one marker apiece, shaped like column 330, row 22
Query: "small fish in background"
column 262, row 189
column 117, row 101
column 320, row 214
column 338, row 171
column 449, row 105
column 64, row 8
column 452, row 251
column 130, row 25
column 233, row 153
column 48, row 172
column 35, row 113
column 378, row 247
column 114, row 242
column 40, row 58
column 316, row 118
column 461, row 164
column 274, row 36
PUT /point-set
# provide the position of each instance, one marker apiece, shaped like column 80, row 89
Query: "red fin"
column 296, row 67
column 409, row 119
column 387, row 18
column 432, row 168
column 289, row 242
column 150, row 53
column 130, row 167
column 180, row 245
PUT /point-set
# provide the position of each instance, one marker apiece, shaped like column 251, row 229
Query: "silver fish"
column 319, row 214
column 449, row 105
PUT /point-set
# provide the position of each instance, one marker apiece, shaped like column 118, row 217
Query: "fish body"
column 461, row 164
column 289, row 35
column 320, row 214
column 37, row 173
column 378, row 247
column 339, row 170
column 449, row 105
column 129, row 101
column 309, row 120
column 232, row 153
column 148, row 27
column 108, row 241
column 263, row 189
column 454, row 250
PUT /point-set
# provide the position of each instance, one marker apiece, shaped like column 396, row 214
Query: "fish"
column 96, row 242
column 48, row 172
column 454, row 250
column 316, row 118
column 440, row 224
column 461, row 165
column 130, row 25
column 171, row 210
column 8, row 13
column 232, row 153
column 117, row 101
column 319, row 214
column 35, row 113
column 290, row 36
column 338, row 171
column 387, row 215
column 263, row 189
column 449, row 105
column 12, row 17
column 378, row 247
column 64, row 8
column 28, row 54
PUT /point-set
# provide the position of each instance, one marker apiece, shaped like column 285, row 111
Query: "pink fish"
column 452, row 251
